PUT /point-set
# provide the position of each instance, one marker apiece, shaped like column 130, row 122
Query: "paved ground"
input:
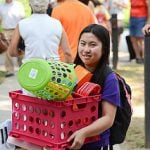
column 11, row 83
column 5, row 101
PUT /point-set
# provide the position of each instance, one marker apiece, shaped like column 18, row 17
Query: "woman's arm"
column 13, row 46
column 97, row 127
column 65, row 48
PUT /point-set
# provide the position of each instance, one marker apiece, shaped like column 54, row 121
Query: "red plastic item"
column 50, row 123
column 89, row 89
column 83, row 75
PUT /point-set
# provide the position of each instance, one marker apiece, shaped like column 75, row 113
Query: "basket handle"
column 77, row 104
column 14, row 94
column 15, row 135
column 56, row 148
column 78, row 107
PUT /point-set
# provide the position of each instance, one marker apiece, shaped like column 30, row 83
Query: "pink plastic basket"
column 50, row 123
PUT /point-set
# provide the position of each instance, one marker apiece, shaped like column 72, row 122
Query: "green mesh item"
column 52, row 80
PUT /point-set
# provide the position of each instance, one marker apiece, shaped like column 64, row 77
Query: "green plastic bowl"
column 52, row 80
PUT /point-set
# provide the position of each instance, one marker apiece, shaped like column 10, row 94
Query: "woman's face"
column 90, row 50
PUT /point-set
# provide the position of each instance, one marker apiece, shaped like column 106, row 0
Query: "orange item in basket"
column 83, row 75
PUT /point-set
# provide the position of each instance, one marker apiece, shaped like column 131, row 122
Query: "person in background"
column 146, row 28
column 52, row 3
column 93, row 54
column 116, row 7
column 42, row 35
column 102, row 15
column 74, row 16
column 138, row 17
column 11, row 12
column 91, row 4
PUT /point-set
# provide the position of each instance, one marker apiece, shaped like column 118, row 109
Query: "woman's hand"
column 78, row 139
column 146, row 29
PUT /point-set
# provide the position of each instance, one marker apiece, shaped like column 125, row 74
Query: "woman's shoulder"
column 111, row 76
column 111, row 91
column 111, row 80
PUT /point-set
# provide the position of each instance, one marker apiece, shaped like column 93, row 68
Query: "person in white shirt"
column 11, row 12
column 42, row 35
column 117, row 7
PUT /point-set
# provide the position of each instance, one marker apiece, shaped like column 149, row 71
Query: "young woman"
column 93, row 54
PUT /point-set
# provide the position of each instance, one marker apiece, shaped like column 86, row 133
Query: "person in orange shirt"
column 74, row 16
column 138, row 18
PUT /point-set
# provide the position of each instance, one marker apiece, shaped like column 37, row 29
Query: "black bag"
column 123, row 115
column 21, row 45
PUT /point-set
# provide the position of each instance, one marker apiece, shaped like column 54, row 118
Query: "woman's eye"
column 93, row 45
column 82, row 44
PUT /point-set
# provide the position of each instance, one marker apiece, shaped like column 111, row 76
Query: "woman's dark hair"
column 95, row 2
column 84, row 1
column 102, row 35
